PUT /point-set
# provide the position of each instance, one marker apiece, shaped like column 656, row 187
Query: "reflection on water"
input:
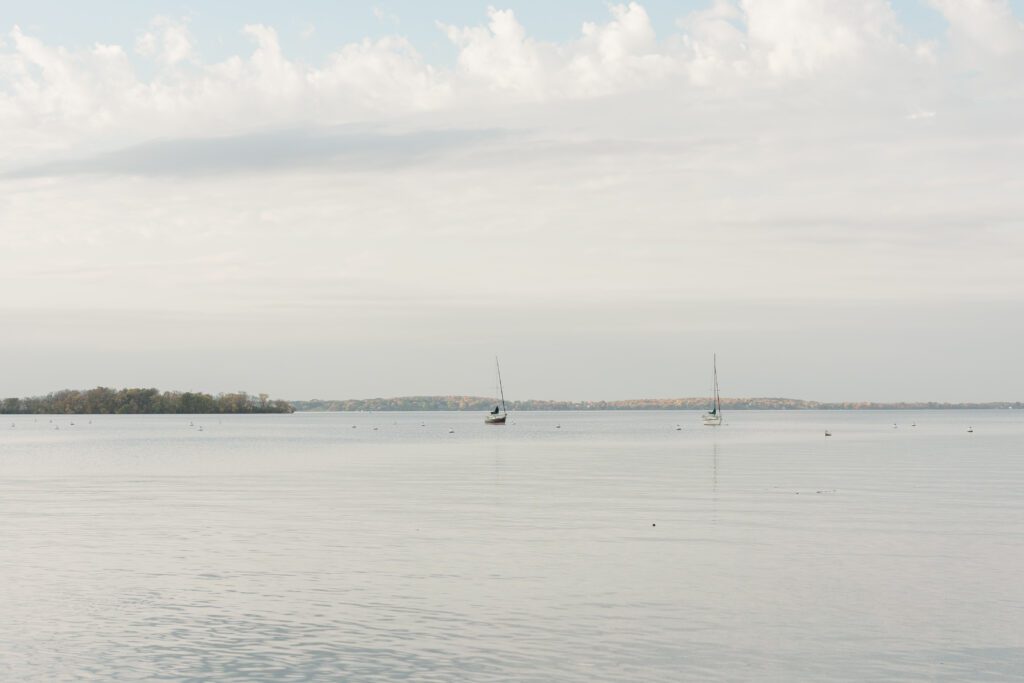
column 310, row 547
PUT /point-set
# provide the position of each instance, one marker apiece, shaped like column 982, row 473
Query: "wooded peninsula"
column 104, row 401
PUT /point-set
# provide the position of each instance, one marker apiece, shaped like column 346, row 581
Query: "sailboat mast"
column 501, row 389
column 718, row 400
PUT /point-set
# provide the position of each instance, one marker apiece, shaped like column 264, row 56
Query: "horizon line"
column 467, row 398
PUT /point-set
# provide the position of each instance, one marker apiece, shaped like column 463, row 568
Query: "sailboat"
column 713, row 418
column 499, row 414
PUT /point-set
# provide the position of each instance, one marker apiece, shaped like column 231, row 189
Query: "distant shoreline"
column 476, row 403
column 148, row 401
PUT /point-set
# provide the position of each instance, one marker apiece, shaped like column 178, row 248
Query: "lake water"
column 365, row 547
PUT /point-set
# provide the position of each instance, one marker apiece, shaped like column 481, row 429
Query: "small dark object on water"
column 653, row 524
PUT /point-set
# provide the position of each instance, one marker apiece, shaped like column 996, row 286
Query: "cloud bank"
column 798, row 158
column 54, row 98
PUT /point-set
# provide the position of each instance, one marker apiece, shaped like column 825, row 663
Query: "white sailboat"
column 499, row 414
column 713, row 418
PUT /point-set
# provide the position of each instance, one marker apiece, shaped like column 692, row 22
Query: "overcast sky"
column 339, row 200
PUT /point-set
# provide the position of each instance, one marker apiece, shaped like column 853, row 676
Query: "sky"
column 343, row 200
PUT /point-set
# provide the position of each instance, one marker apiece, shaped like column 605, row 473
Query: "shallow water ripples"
column 602, row 553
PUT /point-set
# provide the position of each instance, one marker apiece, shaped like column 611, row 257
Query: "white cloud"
column 629, row 33
column 717, row 43
column 168, row 41
column 56, row 98
column 499, row 56
column 374, row 78
column 983, row 26
column 620, row 54
column 798, row 37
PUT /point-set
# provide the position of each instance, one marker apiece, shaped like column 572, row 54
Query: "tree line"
column 103, row 400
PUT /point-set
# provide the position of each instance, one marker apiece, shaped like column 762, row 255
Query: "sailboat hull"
column 712, row 420
column 495, row 419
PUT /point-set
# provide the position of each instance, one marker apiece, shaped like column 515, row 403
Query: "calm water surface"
column 366, row 547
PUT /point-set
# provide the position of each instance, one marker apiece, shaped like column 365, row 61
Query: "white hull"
column 495, row 419
column 712, row 420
